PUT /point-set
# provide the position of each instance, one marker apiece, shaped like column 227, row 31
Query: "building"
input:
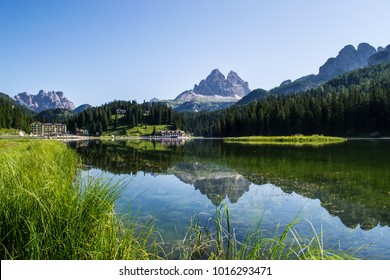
column 82, row 132
column 120, row 111
column 48, row 129
column 171, row 133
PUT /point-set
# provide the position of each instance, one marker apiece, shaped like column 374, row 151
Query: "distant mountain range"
column 217, row 91
column 44, row 101
column 348, row 59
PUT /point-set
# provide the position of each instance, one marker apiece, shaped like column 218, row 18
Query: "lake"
column 340, row 191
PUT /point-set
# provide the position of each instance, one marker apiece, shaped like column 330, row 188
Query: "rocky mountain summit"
column 217, row 86
column 44, row 100
column 214, row 92
column 347, row 60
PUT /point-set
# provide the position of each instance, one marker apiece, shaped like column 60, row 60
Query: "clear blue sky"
column 96, row 51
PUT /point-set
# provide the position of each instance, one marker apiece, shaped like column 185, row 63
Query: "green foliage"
column 121, row 117
column 58, row 115
column 48, row 212
column 216, row 240
column 13, row 116
column 145, row 130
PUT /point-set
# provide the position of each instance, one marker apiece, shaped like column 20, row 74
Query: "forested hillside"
column 12, row 115
column 354, row 104
column 357, row 103
column 58, row 115
column 124, row 114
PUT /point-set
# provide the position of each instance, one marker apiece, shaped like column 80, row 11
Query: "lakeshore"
column 70, row 218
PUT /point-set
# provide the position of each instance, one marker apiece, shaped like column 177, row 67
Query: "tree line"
column 126, row 114
column 357, row 103
column 13, row 116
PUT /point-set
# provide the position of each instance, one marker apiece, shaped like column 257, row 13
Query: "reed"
column 216, row 240
column 48, row 212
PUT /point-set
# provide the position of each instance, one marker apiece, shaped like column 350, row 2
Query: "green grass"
column 138, row 131
column 9, row 131
column 216, row 240
column 289, row 140
column 47, row 211
column 146, row 130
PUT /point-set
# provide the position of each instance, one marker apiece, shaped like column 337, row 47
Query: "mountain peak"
column 217, row 73
column 233, row 77
column 216, row 84
column 44, row 100
column 365, row 47
column 348, row 59
column 214, row 92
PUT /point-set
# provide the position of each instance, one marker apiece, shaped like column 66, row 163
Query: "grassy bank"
column 47, row 211
column 289, row 140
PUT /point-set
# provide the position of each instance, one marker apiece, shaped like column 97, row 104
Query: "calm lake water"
column 342, row 189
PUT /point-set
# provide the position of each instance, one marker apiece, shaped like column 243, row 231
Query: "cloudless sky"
column 96, row 51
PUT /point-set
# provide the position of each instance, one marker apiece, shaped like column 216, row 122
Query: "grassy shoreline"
column 288, row 140
column 47, row 211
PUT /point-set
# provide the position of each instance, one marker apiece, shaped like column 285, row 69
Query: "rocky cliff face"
column 44, row 100
column 381, row 56
column 217, row 86
column 347, row 60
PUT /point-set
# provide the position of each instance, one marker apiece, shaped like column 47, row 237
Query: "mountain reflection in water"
column 214, row 181
column 350, row 179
